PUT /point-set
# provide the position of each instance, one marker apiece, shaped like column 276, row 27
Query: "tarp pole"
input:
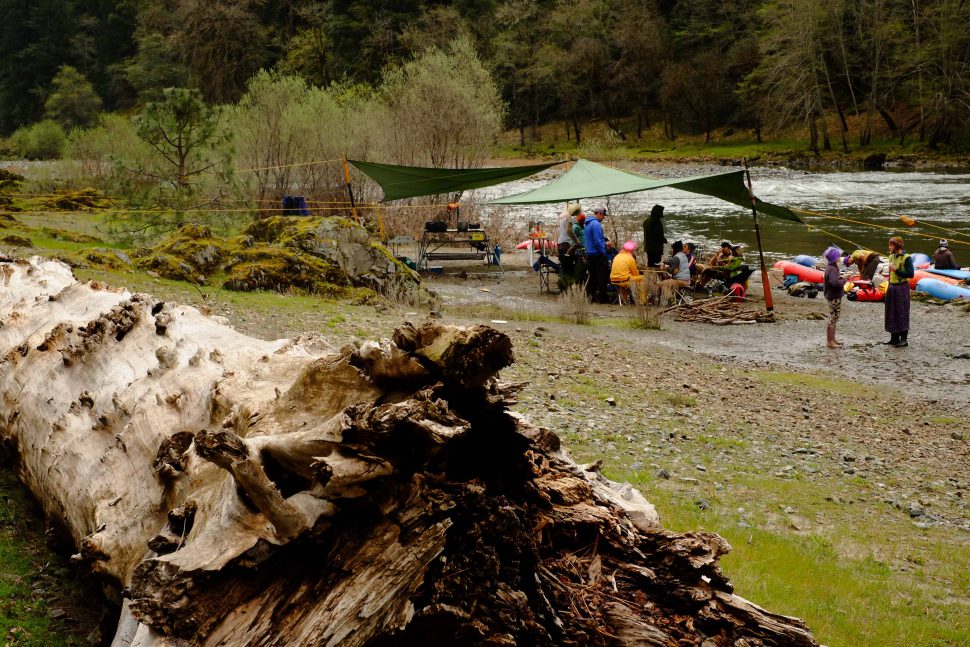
column 769, row 306
column 350, row 192
column 380, row 224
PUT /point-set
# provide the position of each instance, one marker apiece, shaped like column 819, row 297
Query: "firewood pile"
column 233, row 491
column 722, row 311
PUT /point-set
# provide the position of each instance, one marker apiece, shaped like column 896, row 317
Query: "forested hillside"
column 690, row 66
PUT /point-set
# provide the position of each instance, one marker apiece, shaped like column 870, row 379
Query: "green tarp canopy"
column 590, row 180
column 411, row 181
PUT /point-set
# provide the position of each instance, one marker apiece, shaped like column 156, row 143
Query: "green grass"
column 43, row 601
column 828, row 550
column 814, row 382
column 843, row 579
column 943, row 420
column 680, row 400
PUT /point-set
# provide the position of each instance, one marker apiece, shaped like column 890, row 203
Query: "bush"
column 42, row 141
column 99, row 150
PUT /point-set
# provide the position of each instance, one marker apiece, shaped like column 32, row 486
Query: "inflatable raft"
column 940, row 290
column 961, row 275
column 920, row 259
column 537, row 244
column 806, row 260
column 919, row 275
column 865, row 291
column 803, row 273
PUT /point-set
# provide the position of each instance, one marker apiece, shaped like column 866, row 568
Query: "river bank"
column 839, row 477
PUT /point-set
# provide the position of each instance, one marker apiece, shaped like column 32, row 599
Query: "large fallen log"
column 233, row 491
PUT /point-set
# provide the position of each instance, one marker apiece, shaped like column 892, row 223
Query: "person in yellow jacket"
column 866, row 260
column 624, row 273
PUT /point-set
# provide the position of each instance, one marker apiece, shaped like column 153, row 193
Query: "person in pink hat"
column 624, row 272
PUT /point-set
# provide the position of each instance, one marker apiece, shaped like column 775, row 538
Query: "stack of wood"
column 233, row 491
column 722, row 311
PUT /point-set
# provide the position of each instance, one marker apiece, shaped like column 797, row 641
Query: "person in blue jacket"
column 597, row 265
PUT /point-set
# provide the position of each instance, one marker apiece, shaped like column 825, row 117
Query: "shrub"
column 43, row 141
column 106, row 151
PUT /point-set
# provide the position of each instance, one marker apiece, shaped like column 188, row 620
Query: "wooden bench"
column 456, row 256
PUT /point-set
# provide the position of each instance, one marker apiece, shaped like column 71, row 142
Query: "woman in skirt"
column 901, row 270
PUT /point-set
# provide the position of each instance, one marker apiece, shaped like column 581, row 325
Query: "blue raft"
column 963, row 275
column 941, row 290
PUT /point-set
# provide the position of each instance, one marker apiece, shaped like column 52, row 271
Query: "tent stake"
column 769, row 306
column 350, row 192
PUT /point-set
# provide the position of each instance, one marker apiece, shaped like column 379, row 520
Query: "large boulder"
column 348, row 246
column 333, row 257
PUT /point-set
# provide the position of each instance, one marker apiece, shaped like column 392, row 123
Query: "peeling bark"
column 241, row 492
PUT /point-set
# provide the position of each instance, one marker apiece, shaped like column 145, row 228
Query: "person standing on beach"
column 897, row 296
column 834, row 289
column 599, row 269
column 566, row 236
column 653, row 236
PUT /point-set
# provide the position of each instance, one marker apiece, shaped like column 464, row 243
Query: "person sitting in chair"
column 690, row 250
column 624, row 273
column 678, row 266
column 715, row 268
column 737, row 271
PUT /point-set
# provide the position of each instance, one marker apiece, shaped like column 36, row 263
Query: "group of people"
column 586, row 255
column 901, row 270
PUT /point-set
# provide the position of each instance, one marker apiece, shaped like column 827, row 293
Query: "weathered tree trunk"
column 242, row 492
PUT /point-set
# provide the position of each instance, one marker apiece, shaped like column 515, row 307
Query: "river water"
column 939, row 201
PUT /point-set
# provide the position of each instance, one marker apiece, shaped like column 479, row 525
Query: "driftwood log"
column 233, row 491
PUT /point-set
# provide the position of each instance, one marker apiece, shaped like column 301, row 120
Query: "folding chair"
column 623, row 295
column 548, row 271
column 684, row 296
column 548, row 279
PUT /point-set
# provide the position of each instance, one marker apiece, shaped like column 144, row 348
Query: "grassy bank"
column 725, row 147
column 43, row 600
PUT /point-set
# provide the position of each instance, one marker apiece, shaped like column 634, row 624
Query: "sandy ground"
column 933, row 366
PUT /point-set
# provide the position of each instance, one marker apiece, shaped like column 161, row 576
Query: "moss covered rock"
column 307, row 255
column 108, row 258
column 168, row 266
column 80, row 200
column 268, row 230
column 16, row 241
column 346, row 245
column 9, row 180
column 195, row 245
column 270, row 267
column 72, row 236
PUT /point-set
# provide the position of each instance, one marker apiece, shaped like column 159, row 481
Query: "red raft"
column 803, row 273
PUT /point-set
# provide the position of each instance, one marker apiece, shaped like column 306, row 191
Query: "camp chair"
column 624, row 294
column 548, row 279
column 548, row 271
